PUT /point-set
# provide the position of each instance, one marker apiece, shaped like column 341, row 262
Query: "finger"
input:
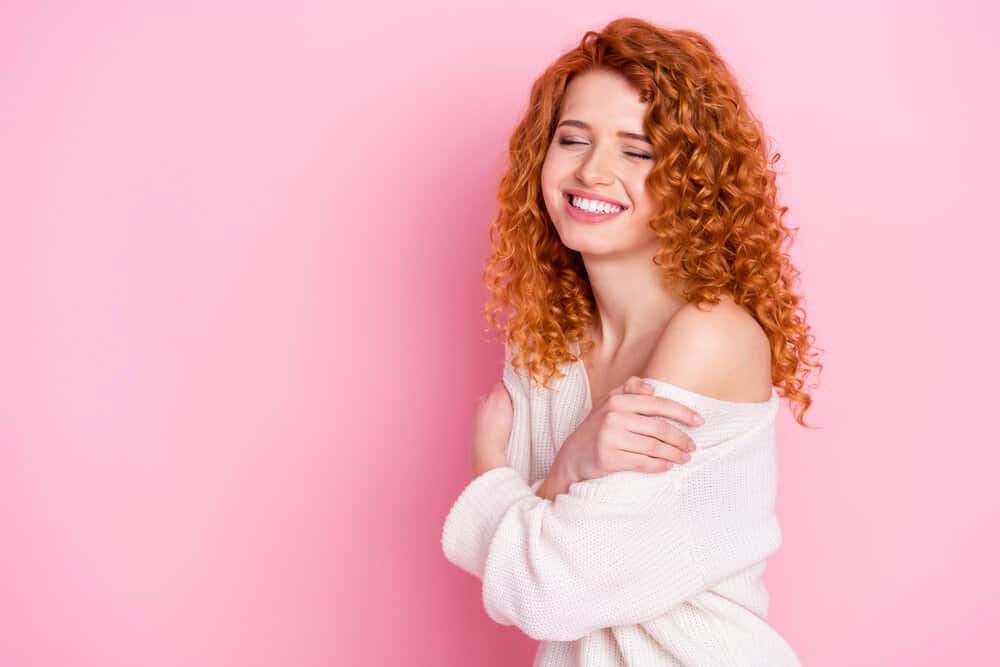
column 661, row 406
column 655, row 437
column 633, row 385
column 653, row 448
column 642, row 463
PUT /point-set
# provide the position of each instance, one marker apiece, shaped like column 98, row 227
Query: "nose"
column 595, row 167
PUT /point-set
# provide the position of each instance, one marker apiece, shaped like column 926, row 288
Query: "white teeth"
column 593, row 206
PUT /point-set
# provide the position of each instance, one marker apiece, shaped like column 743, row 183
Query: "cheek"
column 550, row 170
column 546, row 176
column 643, row 199
column 551, row 178
column 644, row 205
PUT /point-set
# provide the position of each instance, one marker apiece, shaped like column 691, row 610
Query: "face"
column 598, row 149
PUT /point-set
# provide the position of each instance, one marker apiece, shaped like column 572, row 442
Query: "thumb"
column 633, row 385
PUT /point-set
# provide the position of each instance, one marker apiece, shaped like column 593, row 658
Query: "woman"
column 640, row 240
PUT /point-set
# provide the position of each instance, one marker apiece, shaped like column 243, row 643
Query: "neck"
column 634, row 303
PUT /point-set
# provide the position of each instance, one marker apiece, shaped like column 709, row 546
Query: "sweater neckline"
column 697, row 397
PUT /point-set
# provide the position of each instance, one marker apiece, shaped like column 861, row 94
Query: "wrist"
column 554, row 484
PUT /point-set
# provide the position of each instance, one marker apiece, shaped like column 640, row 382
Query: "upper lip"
column 591, row 195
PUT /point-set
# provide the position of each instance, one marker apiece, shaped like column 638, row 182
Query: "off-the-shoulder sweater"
column 632, row 568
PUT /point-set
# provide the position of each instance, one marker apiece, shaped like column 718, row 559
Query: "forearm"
column 481, row 464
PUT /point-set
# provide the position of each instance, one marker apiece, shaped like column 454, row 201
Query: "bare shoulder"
column 721, row 352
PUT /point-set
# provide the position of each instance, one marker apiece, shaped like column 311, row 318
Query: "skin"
column 491, row 426
column 642, row 328
column 633, row 304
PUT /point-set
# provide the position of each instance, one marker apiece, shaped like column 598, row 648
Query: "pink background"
column 240, row 257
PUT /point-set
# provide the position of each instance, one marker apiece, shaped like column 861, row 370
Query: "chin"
column 589, row 243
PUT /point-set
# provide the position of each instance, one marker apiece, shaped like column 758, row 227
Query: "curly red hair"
column 721, row 227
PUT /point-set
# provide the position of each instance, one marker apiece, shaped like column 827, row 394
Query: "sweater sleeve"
column 627, row 547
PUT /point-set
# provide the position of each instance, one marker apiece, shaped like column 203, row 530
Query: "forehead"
column 603, row 97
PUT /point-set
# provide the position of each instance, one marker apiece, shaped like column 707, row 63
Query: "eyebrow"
column 627, row 135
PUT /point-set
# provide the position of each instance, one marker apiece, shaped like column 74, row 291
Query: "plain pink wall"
column 240, row 258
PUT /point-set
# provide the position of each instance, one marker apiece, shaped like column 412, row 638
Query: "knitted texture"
column 631, row 568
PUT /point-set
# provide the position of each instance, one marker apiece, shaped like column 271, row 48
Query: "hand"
column 625, row 432
column 491, row 426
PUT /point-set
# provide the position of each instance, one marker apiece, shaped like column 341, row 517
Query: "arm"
column 627, row 547
column 552, row 486
column 624, row 548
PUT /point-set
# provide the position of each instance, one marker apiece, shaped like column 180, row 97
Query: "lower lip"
column 587, row 216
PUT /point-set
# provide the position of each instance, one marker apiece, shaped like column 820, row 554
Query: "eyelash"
column 567, row 142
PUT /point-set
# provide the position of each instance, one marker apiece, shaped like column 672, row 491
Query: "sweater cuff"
column 473, row 519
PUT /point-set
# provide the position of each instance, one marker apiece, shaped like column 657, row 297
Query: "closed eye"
column 644, row 156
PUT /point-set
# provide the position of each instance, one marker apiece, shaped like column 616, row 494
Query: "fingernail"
column 699, row 420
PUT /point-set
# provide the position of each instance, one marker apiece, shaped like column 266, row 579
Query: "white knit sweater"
column 633, row 568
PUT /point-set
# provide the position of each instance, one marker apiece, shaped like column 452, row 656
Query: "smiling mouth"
column 616, row 209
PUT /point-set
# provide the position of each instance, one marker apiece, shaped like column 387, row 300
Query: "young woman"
column 622, row 505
